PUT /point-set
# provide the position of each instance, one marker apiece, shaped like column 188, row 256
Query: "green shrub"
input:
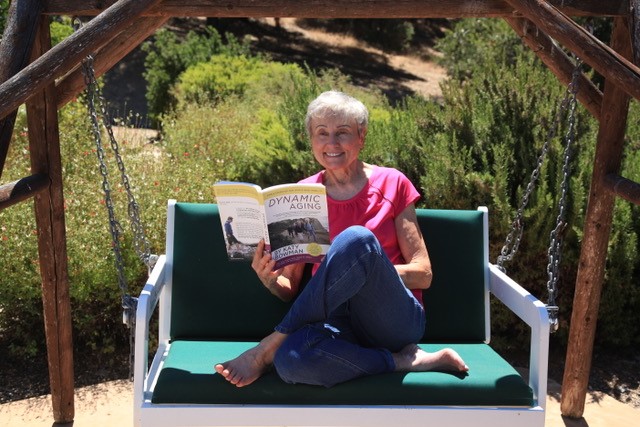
column 394, row 35
column 168, row 57
column 472, row 44
column 4, row 9
column 224, row 75
column 95, row 295
column 60, row 28
column 498, row 107
column 388, row 34
column 229, row 130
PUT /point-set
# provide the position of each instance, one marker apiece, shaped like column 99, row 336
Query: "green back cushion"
column 213, row 298
column 455, row 302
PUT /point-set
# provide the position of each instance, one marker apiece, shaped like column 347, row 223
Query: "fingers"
column 260, row 258
column 265, row 267
column 257, row 256
column 263, row 264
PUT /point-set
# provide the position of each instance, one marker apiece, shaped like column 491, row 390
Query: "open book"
column 292, row 219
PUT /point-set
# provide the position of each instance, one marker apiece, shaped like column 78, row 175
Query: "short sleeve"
column 396, row 187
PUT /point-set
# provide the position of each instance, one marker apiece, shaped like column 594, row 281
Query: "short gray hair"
column 339, row 104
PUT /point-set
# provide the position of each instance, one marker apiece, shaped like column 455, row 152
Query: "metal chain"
column 141, row 243
column 129, row 303
column 512, row 242
column 555, row 244
column 513, row 239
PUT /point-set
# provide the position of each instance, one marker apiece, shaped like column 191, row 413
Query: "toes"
column 455, row 360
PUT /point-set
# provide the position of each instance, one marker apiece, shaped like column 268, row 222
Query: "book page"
column 298, row 222
column 242, row 216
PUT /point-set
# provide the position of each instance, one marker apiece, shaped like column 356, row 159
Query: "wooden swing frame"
column 47, row 78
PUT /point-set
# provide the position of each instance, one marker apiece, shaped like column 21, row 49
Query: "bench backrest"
column 215, row 299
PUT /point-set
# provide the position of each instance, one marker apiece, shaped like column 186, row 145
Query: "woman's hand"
column 263, row 264
column 282, row 282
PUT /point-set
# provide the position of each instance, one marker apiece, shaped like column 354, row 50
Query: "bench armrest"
column 147, row 302
column 534, row 313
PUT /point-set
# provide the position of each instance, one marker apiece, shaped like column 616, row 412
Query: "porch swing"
column 193, row 282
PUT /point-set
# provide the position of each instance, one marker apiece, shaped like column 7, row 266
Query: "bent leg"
column 314, row 355
column 356, row 275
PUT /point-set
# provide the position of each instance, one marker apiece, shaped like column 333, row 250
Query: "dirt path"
column 420, row 76
column 111, row 404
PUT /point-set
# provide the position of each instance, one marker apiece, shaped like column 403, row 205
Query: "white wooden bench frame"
column 146, row 413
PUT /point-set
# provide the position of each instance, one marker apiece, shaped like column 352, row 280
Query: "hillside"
column 304, row 42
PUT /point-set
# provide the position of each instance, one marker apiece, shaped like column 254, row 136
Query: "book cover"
column 292, row 219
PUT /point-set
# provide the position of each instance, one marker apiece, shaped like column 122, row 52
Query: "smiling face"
column 336, row 142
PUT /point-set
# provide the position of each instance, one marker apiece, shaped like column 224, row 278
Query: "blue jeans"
column 351, row 315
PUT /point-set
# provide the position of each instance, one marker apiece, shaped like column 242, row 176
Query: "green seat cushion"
column 188, row 377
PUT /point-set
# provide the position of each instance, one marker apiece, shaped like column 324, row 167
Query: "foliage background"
column 476, row 146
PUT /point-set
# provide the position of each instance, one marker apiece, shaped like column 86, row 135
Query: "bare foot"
column 250, row 365
column 413, row 359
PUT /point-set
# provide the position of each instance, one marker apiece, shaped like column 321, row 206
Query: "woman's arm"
column 283, row 282
column 416, row 273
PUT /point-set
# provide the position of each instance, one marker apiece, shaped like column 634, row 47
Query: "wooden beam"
column 613, row 66
column 340, row 8
column 22, row 189
column 623, row 187
column 597, row 228
column 44, row 147
column 67, row 54
column 108, row 56
column 558, row 62
column 15, row 50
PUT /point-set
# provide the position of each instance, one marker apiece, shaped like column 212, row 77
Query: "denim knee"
column 317, row 356
column 358, row 233
column 354, row 239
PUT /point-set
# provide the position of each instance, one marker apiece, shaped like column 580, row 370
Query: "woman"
column 361, row 313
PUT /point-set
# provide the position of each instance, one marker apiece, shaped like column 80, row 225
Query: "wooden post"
column 558, row 62
column 44, row 146
column 15, row 51
column 597, row 228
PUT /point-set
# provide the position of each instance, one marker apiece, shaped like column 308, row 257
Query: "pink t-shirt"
column 387, row 193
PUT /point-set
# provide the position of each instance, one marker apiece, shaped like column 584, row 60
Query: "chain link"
column 141, row 244
column 555, row 237
column 514, row 238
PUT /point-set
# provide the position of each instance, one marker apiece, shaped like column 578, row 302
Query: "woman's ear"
column 363, row 135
